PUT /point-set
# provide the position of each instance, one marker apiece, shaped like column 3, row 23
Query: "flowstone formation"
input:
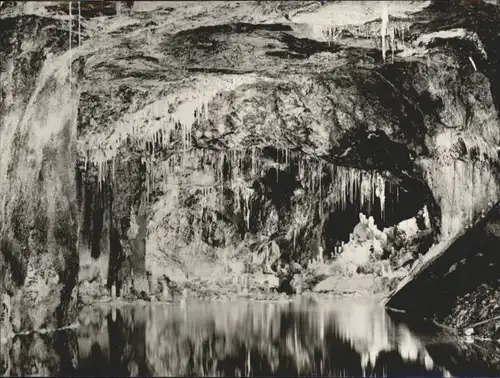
column 228, row 142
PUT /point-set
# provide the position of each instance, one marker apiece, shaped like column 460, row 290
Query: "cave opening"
column 279, row 187
column 94, row 204
column 275, row 189
column 400, row 203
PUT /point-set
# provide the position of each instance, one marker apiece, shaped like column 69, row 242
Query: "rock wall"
column 38, row 112
column 461, row 287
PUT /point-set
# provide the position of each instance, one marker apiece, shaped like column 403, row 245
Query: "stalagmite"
column 165, row 292
column 320, row 254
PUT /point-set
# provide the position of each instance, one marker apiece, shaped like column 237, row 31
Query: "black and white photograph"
column 250, row 188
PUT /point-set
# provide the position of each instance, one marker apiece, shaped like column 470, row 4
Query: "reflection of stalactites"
column 322, row 325
column 296, row 347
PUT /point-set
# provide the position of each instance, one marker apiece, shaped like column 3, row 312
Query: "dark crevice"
column 373, row 150
column 116, row 259
column 66, row 238
column 278, row 186
column 12, row 258
column 87, row 211
column 115, row 250
column 205, row 32
column 223, row 71
column 306, row 47
column 97, row 224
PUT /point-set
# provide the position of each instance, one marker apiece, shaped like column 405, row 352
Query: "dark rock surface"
column 461, row 287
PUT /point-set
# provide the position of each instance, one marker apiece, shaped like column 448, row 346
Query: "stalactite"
column 383, row 29
column 380, row 193
column 79, row 26
column 349, row 184
column 320, row 173
column 203, row 202
column 70, row 36
column 252, row 164
column 392, row 43
column 247, row 210
column 99, row 175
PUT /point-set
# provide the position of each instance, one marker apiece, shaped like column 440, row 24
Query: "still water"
column 248, row 338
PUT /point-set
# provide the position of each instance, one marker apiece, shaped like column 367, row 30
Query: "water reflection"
column 243, row 338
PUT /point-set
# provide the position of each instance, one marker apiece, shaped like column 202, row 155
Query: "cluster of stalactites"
column 349, row 184
column 391, row 36
column 396, row 35
column 210, row 172
column 158, row 125
column 215, row 170
column 221, row 169
column 345, row 185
